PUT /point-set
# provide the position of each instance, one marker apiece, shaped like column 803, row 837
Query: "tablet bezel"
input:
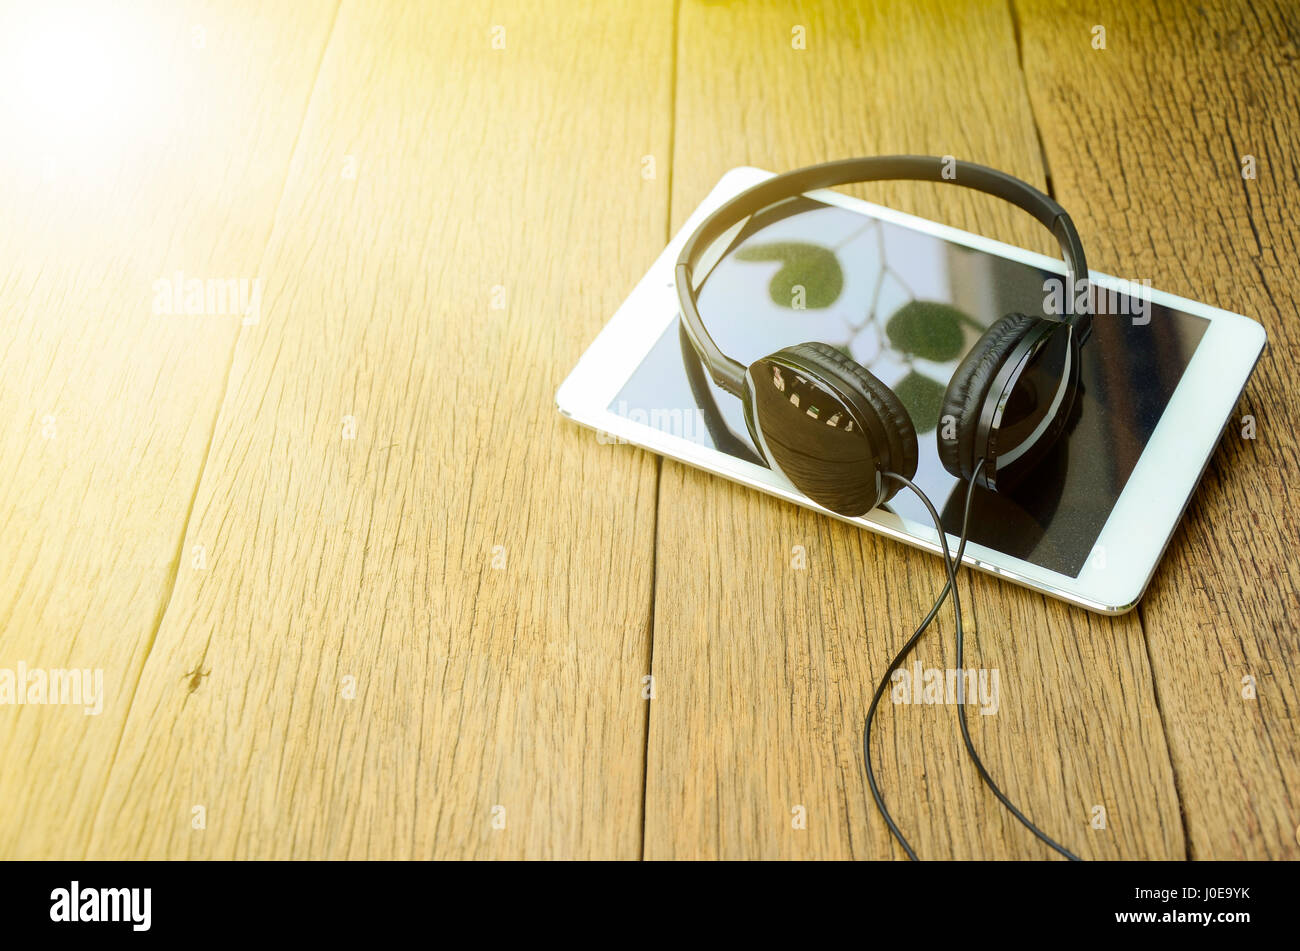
column 1136, row 532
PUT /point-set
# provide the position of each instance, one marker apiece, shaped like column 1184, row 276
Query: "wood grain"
column 1155, row 129
column 107, row 405
column 481, row 568
column 427, row 604
column 764, row 671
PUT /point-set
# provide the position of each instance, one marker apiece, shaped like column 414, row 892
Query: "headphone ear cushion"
column 969, row 387
column 899, row 430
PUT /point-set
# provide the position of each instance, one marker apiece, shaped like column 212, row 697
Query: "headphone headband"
column 729, row 373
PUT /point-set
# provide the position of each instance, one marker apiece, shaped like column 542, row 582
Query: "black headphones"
column 834, row 429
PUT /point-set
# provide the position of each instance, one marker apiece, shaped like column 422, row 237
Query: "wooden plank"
column 137, row 145
column 764, row 672
column 1155, row 129
column 483, row 175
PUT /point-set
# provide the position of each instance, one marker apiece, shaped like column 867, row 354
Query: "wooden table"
column 358, row 591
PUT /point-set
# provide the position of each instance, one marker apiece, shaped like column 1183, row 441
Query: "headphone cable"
column 952, row 566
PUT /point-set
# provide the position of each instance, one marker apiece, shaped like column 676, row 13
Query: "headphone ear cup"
column 830, row 427
column 900, row 433
column 969, row 388
column 884, row 405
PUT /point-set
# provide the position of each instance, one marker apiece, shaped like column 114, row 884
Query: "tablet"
column 906, row 298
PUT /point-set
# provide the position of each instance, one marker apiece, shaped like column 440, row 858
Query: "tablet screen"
column 907, row 305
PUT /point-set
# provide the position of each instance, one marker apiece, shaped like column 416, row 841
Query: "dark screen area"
column 908, row 305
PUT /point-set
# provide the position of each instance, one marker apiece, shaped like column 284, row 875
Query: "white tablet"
column 906, row 298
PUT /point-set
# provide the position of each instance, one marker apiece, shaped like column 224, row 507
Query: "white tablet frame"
column 1140, row 525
